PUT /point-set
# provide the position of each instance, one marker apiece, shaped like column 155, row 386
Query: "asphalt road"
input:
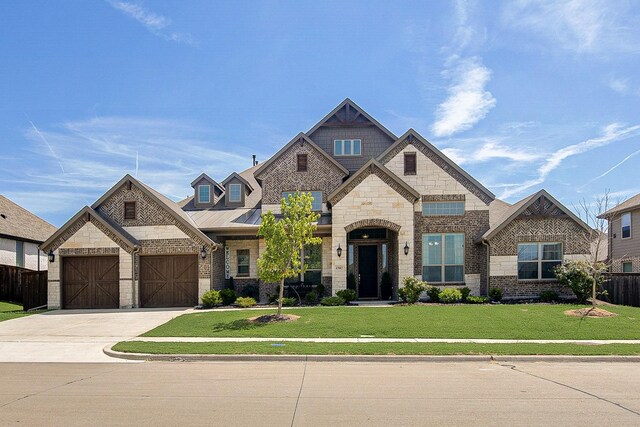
column 299, row 393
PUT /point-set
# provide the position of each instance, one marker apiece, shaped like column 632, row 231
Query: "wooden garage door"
column 169, row 281
column 90, row 282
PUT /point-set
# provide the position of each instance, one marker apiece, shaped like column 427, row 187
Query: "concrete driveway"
column 75, row 335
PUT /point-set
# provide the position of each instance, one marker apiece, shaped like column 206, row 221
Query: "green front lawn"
column 9, row 310
column 518, row 321
column 375, row 348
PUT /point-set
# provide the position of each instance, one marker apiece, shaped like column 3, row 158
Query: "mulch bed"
column 272, row 318
column 590, row 312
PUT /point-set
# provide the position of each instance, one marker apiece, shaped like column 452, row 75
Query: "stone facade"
column 281, row 175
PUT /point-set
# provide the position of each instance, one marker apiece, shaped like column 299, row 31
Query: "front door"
column 368, row 271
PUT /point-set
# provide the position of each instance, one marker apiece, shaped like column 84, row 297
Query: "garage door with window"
column 169, row 281
column 90, row 282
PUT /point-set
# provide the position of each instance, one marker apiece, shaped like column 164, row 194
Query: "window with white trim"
column 442, row 208
column 625, row 222
column 244, row 262
column 347, row 147
column 443, row 257
column 204, row 193
column 316, row 202
column 235, row 192
column 536, row 260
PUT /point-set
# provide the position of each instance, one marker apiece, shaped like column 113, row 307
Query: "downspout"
column 136, row 250
column 486, row 243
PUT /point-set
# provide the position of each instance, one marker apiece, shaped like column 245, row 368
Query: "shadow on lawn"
column 236, row 325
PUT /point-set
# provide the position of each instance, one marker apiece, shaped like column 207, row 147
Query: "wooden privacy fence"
column 622, row 288
column 24, row 286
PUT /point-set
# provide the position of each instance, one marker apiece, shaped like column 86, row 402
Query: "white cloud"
column 154, row 23
column 584, row 26
column 468, row 101
column 611, row 133
column 492, row 150
column 619, row 85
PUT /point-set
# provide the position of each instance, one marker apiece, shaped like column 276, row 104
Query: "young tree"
column 284, row 239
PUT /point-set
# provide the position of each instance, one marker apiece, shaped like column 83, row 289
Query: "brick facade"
column 281, row 175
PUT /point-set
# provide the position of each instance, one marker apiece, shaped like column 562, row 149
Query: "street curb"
column 356, row 358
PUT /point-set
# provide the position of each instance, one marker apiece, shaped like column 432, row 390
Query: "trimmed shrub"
column 465, row 293
column 332, row 301
column 434, row 294
column 495, row 294
column 549, row 296
column 245, row 302
column 320, row 290
column 450, row 295
column 386, row 286
column 272, row 298
column 411, row 289
column 288, row 302
column 351, row 281
column 211, row 298
column 347, row 294
column 251, row 291
column 471, row 299
column 311, row 298
column 228, row 296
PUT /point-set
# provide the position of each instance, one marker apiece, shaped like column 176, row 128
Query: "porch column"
column 338, row 264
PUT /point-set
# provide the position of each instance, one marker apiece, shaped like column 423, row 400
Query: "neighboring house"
column 624, row 236
column 386, row 203
column 20, row 234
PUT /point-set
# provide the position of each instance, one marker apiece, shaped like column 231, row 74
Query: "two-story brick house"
column 387, row 204
column 624, row 236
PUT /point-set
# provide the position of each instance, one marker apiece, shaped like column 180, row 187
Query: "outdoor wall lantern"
column 406, row 248
column 339, row 251
column 203, row 252
column 51, row 255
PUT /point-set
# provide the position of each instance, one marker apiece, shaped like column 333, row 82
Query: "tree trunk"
column 280, row 297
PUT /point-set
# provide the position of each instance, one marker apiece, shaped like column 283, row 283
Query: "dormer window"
column 347, row 147
column 235, row 193
column 204, row 193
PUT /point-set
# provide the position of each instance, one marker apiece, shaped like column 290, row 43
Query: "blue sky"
column 524, row 95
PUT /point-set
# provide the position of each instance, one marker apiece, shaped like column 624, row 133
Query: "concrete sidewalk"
column 380, row 340
column 75, row 335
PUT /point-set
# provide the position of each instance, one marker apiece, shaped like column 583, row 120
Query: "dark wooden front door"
column 91, row 282
column 368, row 271
column 169, row 281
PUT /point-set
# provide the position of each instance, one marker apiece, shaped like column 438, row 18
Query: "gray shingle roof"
column 16, row 221
column 633, row 202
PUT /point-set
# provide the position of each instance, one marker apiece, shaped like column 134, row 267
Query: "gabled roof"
column 301, row 137
column 208, row 179
column 413, row 137
column 627, row 205
column 513, row 211
column 349, row 105
column 17, row 222
column 239, row 178
column 373, row 166
column 171, row 206
column 128, row 240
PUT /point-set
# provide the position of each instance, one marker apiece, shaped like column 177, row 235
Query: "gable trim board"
column 239, row 178
column 87, row 214
column 301, row 138
column 350, row 104
column 204, row 176
column 373, row 167
column 518, row 208
column 411, row 137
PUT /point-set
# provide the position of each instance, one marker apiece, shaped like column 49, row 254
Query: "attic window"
column 347, row 147
column 204, row 193
column 235, row 192
column 409, row 163
column 129, row 210
column 302, row 163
